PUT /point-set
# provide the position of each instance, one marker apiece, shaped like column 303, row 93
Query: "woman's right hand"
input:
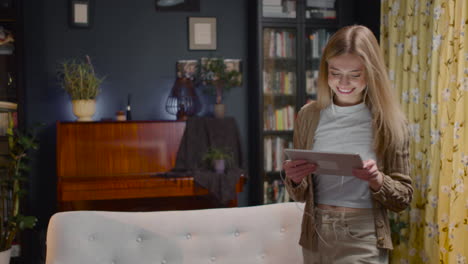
column 297, row 170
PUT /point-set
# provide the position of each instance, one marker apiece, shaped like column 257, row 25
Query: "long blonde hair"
column 388, row 120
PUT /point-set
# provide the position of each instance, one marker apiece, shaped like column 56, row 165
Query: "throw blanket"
column 200, row 134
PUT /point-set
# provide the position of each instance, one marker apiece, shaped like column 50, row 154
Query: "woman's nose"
column 344, row 79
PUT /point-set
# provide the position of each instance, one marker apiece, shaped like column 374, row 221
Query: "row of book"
column 8, row 116
column 278, row 43
column 279, row 119
column 279, row 8
column 275, row 192
column 317, row 41
column 279, row 82
column 311, row 81
column 274, row 152
column 4, row 123
column 284, row 83
column 321, row 9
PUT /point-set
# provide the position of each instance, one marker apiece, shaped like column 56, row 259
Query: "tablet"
column 341, row 164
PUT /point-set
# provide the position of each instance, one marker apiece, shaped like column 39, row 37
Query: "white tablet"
column 330, row 163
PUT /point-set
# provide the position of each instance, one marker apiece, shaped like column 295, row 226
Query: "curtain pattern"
column 425, row 44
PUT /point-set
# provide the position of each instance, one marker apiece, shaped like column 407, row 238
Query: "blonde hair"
column 388, row 120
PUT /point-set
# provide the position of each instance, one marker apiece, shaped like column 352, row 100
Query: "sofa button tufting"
column 236, row 233
column 138, row 239
column 91, row 238
column 282, row 230
column 163, row 261
column 188, row 236
column 213, row 259
column 262, row 256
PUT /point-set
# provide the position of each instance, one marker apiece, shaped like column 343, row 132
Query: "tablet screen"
column 331, row 163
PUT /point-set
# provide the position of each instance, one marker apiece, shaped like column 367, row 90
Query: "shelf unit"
column 284, row 51
column 11, row 56
column 11, row 84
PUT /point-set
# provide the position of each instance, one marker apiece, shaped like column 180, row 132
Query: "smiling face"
column 346, row 77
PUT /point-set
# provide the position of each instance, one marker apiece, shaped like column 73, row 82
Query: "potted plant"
column 12, row 179
column 217, row 158
column 220, row 76
column 80, row 81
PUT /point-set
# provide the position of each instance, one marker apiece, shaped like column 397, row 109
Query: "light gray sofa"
column 257, row 234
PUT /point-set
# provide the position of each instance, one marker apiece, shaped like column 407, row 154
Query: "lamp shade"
column 183, row 100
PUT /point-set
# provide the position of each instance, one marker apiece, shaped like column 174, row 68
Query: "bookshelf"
column 11, row 63
column 11, row 55
column 285, row 49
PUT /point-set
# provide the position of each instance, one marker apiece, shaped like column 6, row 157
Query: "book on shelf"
column 274, row 152
column 278, row 43
column 7, row 49
column 322, row 9
column 311, row 81
column 321, row 3
column 321, row 13
column 8, row 116
column 279, row 82
column 272, row 2
column 279, row 9
column 275, row 192
column 317, row 42
column 279, row 119
column 267, row 145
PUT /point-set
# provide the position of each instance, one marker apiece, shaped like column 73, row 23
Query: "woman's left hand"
column 371, row 174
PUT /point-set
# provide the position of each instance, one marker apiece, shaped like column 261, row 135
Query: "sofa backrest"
column 256, row 234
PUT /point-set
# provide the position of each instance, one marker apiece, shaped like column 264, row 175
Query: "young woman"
column 345, row 218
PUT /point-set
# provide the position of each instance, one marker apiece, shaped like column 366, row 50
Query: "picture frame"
column 177, row 5
column 80, row 14
column 202, row 33
column 187, row 69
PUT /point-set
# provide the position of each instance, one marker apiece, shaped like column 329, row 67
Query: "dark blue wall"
column 136, row 48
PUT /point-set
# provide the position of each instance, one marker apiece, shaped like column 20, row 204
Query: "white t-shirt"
column 344, row 130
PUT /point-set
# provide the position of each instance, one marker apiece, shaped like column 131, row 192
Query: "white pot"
column 84, row 109
column 219, row 110
column 5, row 256
column 219, row 166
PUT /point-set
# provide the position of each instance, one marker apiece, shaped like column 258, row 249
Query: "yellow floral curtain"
column 425, row 43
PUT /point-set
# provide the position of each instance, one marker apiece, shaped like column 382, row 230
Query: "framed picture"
column 80, row 13
column 187, row 69
column 177, row 5
column 234, row 65
column 202, row 33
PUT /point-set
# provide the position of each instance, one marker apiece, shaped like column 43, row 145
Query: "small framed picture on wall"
column 202, row 33
column 80, row 15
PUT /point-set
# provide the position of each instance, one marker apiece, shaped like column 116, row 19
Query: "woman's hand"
column 371, row 174
column 296, row 170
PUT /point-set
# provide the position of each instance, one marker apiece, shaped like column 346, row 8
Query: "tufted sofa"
column 256, row 234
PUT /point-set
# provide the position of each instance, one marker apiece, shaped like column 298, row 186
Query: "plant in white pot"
column 12, row 179
column 220, row 75
column 80, row 81
column 218, row 159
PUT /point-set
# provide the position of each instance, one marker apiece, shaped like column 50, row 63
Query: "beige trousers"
column 345, row 237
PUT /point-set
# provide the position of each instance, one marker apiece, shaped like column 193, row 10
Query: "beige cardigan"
column 395, row 194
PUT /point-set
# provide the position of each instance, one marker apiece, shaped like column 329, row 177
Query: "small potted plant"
column 80, row 81
column 220, row 76
column 217, row 158
column 13, row 168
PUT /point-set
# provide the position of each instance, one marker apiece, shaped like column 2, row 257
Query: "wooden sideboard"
column 117, row 166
